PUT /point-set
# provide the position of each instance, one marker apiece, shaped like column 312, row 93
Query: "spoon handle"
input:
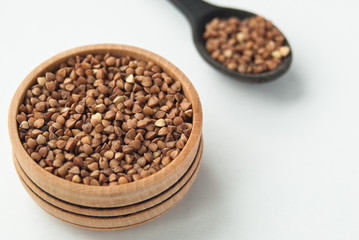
column 194, row 9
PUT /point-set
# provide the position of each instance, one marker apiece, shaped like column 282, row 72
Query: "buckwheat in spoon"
column 236, row 42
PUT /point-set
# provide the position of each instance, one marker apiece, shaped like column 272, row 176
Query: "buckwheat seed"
column 105, row 120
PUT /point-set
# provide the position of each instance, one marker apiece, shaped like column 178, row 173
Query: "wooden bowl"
column 114, row 196
column 101, row 220
column 110, row 212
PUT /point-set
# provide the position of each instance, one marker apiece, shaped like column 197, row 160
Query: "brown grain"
column 103, row 120
column 252, row 45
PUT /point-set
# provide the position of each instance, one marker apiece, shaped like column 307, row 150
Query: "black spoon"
column 199, row 13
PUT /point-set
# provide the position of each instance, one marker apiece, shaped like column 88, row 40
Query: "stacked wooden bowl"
column 115, row 207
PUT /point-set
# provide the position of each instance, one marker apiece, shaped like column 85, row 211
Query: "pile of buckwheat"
column 104, row 120
column 251, row 45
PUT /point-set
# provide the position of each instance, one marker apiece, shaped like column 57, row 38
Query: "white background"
column 281, row 160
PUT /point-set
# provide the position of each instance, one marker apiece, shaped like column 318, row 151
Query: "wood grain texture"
column 119, row 222
column 110, row 229
column 121, row 195
column 106, row 212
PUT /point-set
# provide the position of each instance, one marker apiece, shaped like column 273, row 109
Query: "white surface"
column 281, row 160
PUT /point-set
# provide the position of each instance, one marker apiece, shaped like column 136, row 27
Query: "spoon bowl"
column 200, row 13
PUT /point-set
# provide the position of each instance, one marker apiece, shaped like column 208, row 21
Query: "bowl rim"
column 64, row 188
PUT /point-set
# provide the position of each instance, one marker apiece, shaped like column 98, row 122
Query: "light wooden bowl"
column 101, row 197
column 117, row 220
column 111, row 212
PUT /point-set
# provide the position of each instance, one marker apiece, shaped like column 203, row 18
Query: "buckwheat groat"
column 104, row 120
column 252, row 45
